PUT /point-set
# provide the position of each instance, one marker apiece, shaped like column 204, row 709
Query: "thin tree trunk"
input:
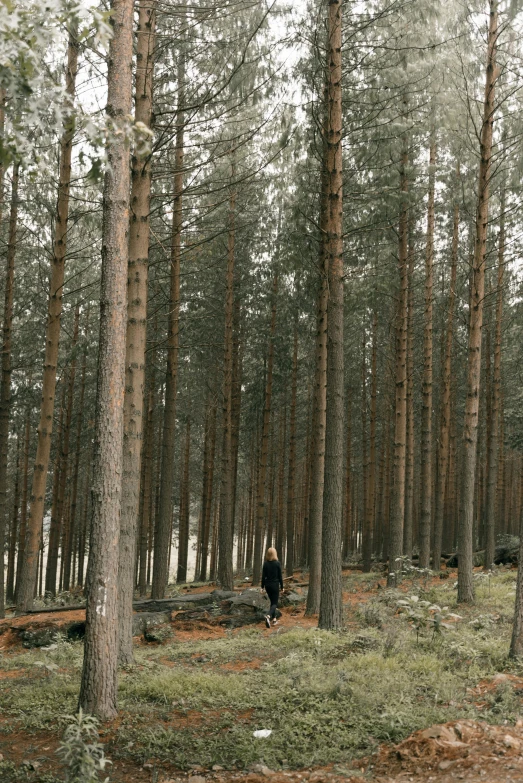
column 493, row 456
column 23, row 511
column 331, row 615
column 370, row 510
column 395, row 539
column 10, row 588
column 262, row 469
column 78, row 451
column 148, row 493
column 25, row 591
column 98, row 689
column 426, row 428
column 2, row 166
column 516, row 644
column 5, row 380
column 64, row 476
column 82, row 539
column 280, row 526
column 348, row 506
column 54, row 528
column 408, row 528
column 444, row 437
column 208, row 492
column 226, row 519
column 183, row 535
column 165, row 511
column 136, row 332
column 291, row 476
column 470, row 432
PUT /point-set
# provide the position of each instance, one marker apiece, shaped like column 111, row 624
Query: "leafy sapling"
column 80, row 750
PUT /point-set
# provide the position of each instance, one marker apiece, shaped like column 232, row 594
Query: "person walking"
column 272, row 581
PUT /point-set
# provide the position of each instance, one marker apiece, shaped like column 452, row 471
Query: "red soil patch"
column 457, row 750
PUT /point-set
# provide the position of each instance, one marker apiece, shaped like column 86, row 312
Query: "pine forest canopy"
column 262, row 287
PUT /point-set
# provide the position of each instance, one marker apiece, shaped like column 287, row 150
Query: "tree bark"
column 493, row 455
column 470, row 431
column 318, row 447
column 5, row 379
column 516, row 644
column 28, row 574
column 54, row 527
column 165, row 510
column 291, row 476
column 23, row 510
column 75, row 533
column 408, row 528
column 64, row 475
column 226, row 519
column 331, row 615
column 370, row 510
column 98, row 691
column 444, row 436
column 426, row 428
column 136, row 331
column 264, row 448
column 183, row 535
column 13, row 533
column 147, row 491
column 208, row 479
column 397, row 516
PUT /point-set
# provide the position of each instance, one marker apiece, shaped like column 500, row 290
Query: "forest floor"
column 381, row 701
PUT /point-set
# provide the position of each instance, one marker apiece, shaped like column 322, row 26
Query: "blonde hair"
column 271, row 554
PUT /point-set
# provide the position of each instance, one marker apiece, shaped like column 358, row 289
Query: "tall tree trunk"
column 291, row 476
column 64, row 477
column 237, row 373
column 397, row 516
column 99, row 675
column 136, row 331
column 408, row 529
column 208, row 478
column 280, row 526
column 319, row 400
column 516, row 644
column 426, row 428
column 183, row 535
column 331, row 615
column 54, row 527
column 165, row 510
column 78, row 453
column 370, row 510
column 5, row 379
column 493, row 456
column 444, row 437
column 2, row 167
column 10, row 589
column 148, row 490
column 470, row 431
column 262, row 467
column 26, row 587
column 23, row 511
column 364, row 450
column 347, row 506
column 226, row 519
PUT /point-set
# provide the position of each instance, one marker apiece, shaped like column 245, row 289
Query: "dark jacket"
column 271, row 573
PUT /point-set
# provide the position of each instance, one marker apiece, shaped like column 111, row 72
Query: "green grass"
column 328, row 697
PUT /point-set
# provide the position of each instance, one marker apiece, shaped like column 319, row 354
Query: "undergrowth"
column 328, row 697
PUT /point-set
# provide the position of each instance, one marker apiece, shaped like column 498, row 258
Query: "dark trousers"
column 273, row 591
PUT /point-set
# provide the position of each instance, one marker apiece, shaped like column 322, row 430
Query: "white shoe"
column 267, row 621
column 275, row 621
